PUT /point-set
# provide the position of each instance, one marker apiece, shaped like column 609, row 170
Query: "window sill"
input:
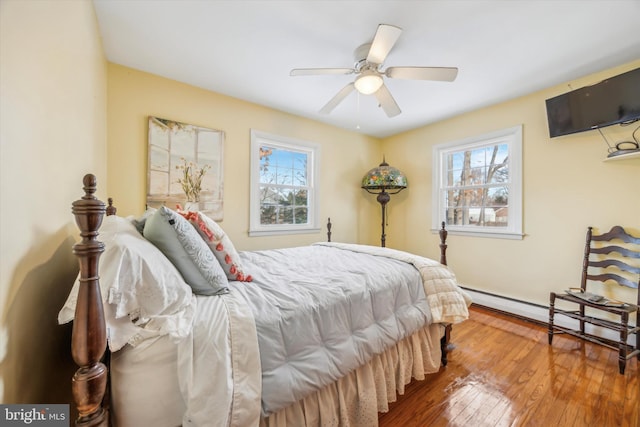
column 491, row 235
column 281, row 232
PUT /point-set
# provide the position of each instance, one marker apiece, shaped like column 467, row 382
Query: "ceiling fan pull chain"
column 357, row 110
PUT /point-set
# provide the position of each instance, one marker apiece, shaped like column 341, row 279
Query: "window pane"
column 498, row 196
column 301, row 198
column 268, row 195
column 301, row 215
column 300, row 177
column 286, row 196
column 478, row 157
column 267, row 214
column 284, row 175
column 285, row 215
column 456, row 160
column 266, row 173
column 498, row 170
column 454, row 178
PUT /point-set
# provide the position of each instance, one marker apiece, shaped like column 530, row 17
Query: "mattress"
column 146, row 390
column 211, row 378
column 144, row 385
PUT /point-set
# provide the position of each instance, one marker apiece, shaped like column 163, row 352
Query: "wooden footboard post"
column 445, row 342
column 89, row 337
column 443, row 244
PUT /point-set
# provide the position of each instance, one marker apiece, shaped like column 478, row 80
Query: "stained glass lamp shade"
column 384, row 177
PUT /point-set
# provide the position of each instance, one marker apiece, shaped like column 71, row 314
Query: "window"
column 477, row 185
column 284, row 185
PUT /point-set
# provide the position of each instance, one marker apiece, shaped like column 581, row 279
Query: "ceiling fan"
column 368, row 60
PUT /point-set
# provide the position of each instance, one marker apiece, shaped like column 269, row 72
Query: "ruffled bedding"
column 357, row 331
column 356, row 399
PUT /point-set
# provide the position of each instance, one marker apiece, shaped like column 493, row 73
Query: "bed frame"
column 89, row 336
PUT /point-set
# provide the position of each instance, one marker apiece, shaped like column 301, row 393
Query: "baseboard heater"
column 534, row 312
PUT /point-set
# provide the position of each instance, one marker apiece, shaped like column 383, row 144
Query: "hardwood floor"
column 503, row 372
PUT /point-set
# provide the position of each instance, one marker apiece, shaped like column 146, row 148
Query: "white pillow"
column 142, row 292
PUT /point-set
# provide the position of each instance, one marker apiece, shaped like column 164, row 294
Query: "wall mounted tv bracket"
column 624, row 147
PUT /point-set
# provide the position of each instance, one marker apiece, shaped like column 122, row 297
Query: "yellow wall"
column 566, row 187
column 52, row 131
column 345, row 156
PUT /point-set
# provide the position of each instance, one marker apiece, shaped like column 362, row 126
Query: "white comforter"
column 224, row 346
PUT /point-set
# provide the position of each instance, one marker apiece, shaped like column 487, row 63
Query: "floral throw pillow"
column 184, row 247
column 220, row 244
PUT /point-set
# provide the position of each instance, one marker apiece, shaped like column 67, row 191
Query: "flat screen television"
column 612, row 101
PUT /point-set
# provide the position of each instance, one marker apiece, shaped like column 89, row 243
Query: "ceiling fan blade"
column 387, row 102
column 386, row 36
column 320, row 71
column 447, row 74
column 333, row 103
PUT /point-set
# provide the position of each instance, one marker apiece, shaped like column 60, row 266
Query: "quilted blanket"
column 323, row 310
column 449, row 303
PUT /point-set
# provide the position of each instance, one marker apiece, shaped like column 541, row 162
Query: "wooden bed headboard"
column 89, row 336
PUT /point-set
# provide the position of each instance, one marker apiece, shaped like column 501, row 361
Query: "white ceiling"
column 245, row 49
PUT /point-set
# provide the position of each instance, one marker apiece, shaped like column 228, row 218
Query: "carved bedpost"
column 445, row 342
column 111, row 210
column 328, row 229
column 443, row 245
column 89, row 337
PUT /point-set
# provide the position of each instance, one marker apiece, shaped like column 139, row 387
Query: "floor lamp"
column 384, row 180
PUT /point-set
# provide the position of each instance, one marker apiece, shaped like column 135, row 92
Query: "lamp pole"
column 383, row 198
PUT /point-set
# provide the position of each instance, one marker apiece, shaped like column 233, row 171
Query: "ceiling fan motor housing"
column 360, row 57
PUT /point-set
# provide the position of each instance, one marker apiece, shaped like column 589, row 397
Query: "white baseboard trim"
column 536, row 312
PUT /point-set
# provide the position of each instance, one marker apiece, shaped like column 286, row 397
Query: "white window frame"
column 513, row 138
column 259, row 139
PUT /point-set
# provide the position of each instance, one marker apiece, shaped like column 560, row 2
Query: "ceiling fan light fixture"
column 368, row 82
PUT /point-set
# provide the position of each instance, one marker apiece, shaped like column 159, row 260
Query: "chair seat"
column 616, row 309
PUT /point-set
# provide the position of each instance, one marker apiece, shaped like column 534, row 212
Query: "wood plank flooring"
column 503, row 372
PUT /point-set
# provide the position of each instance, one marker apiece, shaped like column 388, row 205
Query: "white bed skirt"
column 352, row 401
column 356, row 399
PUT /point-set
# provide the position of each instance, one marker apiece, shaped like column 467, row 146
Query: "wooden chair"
column 612, row 258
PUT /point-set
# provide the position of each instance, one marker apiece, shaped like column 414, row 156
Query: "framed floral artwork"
column 185, row 167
